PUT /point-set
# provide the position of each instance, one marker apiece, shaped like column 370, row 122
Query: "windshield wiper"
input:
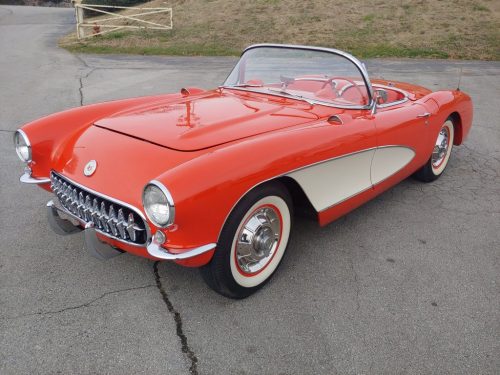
column 293, row 96
column 278, row 91
column 239, row 85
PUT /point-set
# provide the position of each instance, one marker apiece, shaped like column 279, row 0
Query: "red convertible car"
column 211, row 178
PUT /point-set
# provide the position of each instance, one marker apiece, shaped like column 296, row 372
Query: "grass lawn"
column 457, row 29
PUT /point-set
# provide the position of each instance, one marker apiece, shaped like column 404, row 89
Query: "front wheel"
column 252, row 242
column 438, row 161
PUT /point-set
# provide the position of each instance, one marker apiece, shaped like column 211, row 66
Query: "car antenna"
column 459, row 79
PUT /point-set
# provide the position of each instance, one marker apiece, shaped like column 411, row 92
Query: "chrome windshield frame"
column 359, row 65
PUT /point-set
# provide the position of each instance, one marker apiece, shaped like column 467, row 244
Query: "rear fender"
column 456, row 104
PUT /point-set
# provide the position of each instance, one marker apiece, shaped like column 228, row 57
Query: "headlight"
column 158, row 204
column 22, row 145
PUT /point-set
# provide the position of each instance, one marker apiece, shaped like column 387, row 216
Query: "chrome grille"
column 109, row 217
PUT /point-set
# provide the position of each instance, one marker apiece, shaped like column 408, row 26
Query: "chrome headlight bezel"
column 158, row 187
column 21, row 140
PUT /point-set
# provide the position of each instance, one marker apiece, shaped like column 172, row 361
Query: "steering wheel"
column 337, row 92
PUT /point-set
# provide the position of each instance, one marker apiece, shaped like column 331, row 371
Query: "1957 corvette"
column 211, row 178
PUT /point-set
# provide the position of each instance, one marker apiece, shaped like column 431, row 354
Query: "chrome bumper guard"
column 26, row 178
column 62, row 226
column 65, row 225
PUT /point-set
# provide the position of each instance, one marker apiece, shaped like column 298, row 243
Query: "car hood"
column 209, row 119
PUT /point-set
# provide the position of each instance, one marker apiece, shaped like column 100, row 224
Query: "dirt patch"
column 458, row 29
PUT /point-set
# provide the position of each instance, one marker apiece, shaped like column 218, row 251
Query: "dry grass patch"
column 459, row 29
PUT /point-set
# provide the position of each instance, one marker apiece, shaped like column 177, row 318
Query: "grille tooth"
column 67, row 193
column 130, row 227
column 112, row 220
column 87, row 213
column 95, row 212
column 63, row 192
column 74, row 201
column 121, row 224
column 81, row 205
column 109, row 218
column 104, row 217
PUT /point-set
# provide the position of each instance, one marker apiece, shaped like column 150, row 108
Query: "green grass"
column 191, row 50
column 213, row 50
column 382, row 50
column 480, row 8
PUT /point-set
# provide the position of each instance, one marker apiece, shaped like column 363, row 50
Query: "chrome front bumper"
column 63, row 223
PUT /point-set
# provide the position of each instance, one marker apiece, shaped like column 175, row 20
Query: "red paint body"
column 211, row 147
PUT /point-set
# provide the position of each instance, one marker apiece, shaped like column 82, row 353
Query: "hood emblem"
column 90, row 168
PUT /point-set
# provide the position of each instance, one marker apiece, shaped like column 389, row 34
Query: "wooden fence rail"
column 118, row 21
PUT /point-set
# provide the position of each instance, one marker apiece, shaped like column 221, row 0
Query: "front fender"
column 52, row 137
column 206, row 189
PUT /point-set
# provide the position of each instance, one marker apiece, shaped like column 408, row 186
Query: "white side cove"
column 389, row 160
column 333, row 181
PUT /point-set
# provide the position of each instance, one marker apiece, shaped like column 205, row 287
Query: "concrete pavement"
column 408, row 283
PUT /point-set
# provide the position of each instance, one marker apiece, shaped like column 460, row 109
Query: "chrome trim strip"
column 326, row 160
column 404, row 100
column 346, row 55
column 28, row 143
column 345, row 199
column 401, row 101
column 170, row 200
column 26, row 178
column 104, row 196
column 155, row 250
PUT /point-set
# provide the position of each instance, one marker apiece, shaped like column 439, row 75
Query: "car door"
column 348, row 146
column 401, row 133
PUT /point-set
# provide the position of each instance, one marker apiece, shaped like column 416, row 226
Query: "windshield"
column 315, row 76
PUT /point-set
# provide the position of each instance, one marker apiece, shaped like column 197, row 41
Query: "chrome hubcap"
column 441, row 148
column 258, row 239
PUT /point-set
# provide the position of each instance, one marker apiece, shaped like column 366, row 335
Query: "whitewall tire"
column 441, row 152
column 252, row 242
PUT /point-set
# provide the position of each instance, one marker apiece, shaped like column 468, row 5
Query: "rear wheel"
column 252, row 242
column 438, row 161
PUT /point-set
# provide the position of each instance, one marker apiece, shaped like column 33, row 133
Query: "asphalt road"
column 408, row 283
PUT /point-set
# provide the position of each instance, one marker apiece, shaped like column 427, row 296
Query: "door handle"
column 426, row 114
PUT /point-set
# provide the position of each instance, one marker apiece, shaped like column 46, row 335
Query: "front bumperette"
column 102, row 246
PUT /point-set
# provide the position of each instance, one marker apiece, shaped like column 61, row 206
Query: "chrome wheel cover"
column 258, row 239
column 441, row 147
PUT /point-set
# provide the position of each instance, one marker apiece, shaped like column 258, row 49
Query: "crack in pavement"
column 80, row 80
column 193, row 369
column 86, row 304
column 7, row 131
column 80, row 89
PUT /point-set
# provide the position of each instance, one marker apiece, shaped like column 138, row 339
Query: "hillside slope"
column 459, row 29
